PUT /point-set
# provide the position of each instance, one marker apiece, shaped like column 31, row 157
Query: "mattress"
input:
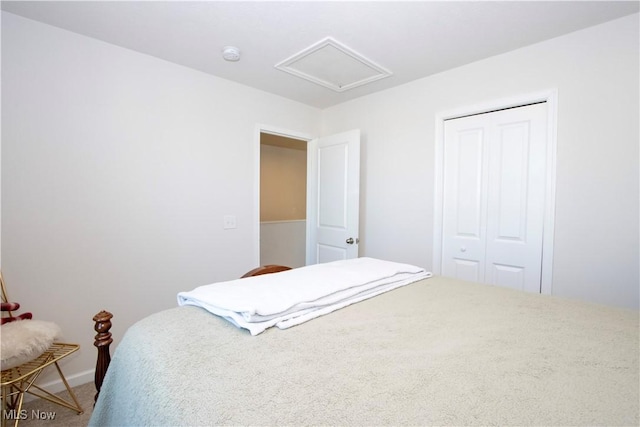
column 436, row 352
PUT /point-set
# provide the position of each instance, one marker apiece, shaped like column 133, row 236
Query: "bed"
column 438, row 351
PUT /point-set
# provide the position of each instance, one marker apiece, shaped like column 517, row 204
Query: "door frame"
column 273, row 130
column 551, row 98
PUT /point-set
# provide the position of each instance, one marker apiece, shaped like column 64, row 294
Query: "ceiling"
column 411, row 39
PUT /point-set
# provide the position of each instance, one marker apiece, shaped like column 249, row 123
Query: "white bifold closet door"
column 494, row 193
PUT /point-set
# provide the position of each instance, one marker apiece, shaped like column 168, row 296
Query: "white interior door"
column 494, row 194
column 333, row 197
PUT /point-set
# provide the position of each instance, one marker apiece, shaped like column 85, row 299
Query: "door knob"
column 350, row 241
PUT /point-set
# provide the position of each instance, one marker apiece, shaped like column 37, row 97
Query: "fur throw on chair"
column 24, row 340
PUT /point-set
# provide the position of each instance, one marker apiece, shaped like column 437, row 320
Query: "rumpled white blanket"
column 295, row 296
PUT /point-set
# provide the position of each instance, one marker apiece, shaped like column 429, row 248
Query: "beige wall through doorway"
column 283, row 200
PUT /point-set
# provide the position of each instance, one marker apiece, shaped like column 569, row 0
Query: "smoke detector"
column 231, row 53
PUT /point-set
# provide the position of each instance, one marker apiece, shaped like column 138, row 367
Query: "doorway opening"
column 283, row 200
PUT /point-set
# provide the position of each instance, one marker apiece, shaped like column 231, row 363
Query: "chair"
column 21, row 379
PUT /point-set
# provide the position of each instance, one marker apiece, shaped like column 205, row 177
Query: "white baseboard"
column 57, row 386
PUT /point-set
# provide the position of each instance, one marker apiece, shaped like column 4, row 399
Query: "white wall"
column 117, row 170
column 596, row 226
column 0, row 146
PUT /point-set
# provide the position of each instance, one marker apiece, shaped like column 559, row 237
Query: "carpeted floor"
column 40, row 412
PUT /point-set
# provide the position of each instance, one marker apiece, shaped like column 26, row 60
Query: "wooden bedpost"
column 102, row 341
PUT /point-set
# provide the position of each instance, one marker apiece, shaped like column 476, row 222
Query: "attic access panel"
column 333, row 65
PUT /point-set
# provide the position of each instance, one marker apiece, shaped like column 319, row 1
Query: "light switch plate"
column 229, row 222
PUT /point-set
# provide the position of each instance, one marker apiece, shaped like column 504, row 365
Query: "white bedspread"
column 295, row 296
column 438, row 352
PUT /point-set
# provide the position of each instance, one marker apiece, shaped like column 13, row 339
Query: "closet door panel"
column 515, row 207
column 464, row 202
